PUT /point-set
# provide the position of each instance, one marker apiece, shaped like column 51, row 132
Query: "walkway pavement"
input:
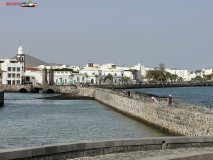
column 180, row 153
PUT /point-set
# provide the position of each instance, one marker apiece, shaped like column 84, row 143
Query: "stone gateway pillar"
column 51, row 77
column 44, row 76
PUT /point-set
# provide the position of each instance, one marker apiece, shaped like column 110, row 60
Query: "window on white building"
column 14, row 68
column 18, row 82
column 18, row 75
column 9, row 75
column 18, row 69
column 9, row 69
column 9, row 82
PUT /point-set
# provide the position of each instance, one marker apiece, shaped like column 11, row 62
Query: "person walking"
column 154, row 100
column 170, row 100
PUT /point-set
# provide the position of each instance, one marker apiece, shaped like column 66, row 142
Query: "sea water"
column 194, row 95
column 27, row 121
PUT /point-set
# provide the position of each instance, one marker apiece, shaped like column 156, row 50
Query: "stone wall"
column 66, row 151
column 1, row 97
column 16, row 88
column 90, row 92
column 179, row 119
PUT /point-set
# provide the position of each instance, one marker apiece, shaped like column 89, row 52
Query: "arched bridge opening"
column 50, row 91
column 22, row 90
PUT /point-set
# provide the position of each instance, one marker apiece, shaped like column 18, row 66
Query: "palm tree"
column 96, row 78
column 125, row 80
column 174, row 77
column 180, row 79
column 162, row 67
column 168, row 76
column 109, row 77
column 71, row 77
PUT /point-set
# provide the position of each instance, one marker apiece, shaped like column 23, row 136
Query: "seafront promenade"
column 201, row 153
column 161, row 148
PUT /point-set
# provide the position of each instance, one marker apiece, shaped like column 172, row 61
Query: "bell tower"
column 20, row 57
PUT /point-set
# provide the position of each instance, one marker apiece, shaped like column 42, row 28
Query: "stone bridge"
column 19, row 88
column 58, row 89
column 36, row 87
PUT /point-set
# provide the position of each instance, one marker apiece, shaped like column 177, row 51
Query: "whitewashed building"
column 185, row 74
column 13, row 71
column 206, row 71
column 92, row 75
column 68, row 78
column 33, row 75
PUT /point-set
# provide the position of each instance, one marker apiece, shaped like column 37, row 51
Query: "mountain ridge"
column 31, row 61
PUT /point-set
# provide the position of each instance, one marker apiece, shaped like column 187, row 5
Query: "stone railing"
column 66, row 151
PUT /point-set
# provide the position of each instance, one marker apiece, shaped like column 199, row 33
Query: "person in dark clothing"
column 170, row 100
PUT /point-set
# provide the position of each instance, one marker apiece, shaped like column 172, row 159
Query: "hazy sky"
column 178, row 33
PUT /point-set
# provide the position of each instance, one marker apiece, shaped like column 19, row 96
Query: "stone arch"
column 23, row 90
column 50, row 91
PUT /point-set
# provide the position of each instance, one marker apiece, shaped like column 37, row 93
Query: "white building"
column 92, row 75
column 13, row 71
column 68, row 78
column 33, row 75
column 206, row 71
column 185, row 74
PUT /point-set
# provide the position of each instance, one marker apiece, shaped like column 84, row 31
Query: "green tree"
column 162, row 67
column 125, row 80
column 174, row 77
column 180, row 80
column 108, row 77
column 208, row 77
column 96, row 78
column 198, row 78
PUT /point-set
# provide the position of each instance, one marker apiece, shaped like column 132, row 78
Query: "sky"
column 178, row 33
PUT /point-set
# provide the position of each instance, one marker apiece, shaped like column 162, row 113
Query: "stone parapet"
column 66, row 151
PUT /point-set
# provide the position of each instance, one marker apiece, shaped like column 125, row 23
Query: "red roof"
column 1, row 70
column 32, row 69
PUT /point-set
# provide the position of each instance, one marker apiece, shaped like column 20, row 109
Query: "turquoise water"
column 195, row 95
column 26, row 121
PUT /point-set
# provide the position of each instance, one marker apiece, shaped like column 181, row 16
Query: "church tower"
column 21, row 56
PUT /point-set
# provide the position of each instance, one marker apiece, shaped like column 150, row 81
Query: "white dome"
column 20, row 50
